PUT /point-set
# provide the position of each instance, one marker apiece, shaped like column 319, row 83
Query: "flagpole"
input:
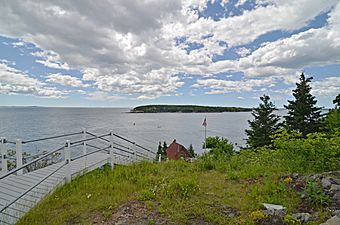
column 205, row 132
column 205, row 137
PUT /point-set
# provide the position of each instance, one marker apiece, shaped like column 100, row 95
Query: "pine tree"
column 165, row 147
column 264, row 125
column 191, row 151
column 303, row 115
column 332, row 120
column 336, row 101
column 159, row 151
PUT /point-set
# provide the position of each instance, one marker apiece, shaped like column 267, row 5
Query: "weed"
column 289, row 220
column 258, row 215
column 315, row 194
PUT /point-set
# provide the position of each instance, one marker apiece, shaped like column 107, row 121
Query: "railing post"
column 111, row 150
column 18, row 144
column 3, row 150
column 135, row 149
column 84, row 148
column 159, row 158
column 68, row 175
column 84, row 145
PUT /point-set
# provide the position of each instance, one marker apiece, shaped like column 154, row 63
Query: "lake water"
column 144, row 128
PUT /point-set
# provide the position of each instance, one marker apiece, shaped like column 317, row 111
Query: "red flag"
column 205, row 122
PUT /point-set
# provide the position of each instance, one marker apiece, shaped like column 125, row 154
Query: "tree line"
column 303, row 116
column 186, row 109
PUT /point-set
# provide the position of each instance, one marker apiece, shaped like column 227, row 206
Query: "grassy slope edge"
column 189, row 193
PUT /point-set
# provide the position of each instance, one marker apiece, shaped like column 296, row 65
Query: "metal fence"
column 77, row 146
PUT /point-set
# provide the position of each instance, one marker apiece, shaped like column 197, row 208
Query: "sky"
column 124, row 53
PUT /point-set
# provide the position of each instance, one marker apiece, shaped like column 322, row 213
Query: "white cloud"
column 217, row 86
column 129, row 47
column 50, row 59
column 243, row 51
column 330, row 86
column 13, row 81
column 65, row 80
column 102, row 96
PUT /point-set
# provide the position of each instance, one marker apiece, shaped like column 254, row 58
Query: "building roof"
column 177, row 151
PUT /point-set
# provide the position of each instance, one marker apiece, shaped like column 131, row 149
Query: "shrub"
column 315, row 195
column 316, row 153
column 220, row 147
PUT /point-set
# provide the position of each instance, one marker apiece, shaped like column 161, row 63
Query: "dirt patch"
column 272, row 220
column 132, row 212
column 197, row 221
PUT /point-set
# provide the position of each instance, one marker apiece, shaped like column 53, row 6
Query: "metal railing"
column 116, row 146
column 145, row 154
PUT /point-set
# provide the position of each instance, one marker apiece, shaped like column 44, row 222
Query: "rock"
column 334, row 188
column 303, row 217
column 336, row 213
column 326, row 182
column 335, row 181
column 332, row 221
column 295, row 176
column 231, row 215
column 272, row 209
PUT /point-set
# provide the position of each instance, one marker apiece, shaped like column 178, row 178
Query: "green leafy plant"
column 315, row 195
column 289, row 220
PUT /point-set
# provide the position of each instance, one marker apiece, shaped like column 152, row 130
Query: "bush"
column 220, row 147
column 317, row 152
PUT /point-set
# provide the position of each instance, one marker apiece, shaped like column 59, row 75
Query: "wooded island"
column 186, row 109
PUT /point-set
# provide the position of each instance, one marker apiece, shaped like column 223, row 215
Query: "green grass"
column 183, row 191
column 207, row 190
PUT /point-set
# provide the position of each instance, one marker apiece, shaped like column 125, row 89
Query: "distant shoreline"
column 186, row 109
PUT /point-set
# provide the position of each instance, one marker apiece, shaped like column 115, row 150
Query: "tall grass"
column 207, row 189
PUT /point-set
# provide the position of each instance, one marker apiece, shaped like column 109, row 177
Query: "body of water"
column 146, row 129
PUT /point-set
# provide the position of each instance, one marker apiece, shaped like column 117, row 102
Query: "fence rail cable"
column 90, row 153
column 104, row 139
column 31, row 188
column 94, row 135
column 30, row 163
column 52, row 137
column 141, row 155
column 7, row 141
column 78, row 144
column 114, row 147
column 88, row 139
column 134, row 143
column 123, row 150
column 122, row 146
column 120, row 154
column 131, row 153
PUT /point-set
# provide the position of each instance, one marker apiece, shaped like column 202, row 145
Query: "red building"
column 177, row 151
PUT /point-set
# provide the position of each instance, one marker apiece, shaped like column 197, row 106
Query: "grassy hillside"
column 186, row 109
column 222, row 190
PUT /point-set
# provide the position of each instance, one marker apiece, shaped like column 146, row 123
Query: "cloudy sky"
column 123, row 53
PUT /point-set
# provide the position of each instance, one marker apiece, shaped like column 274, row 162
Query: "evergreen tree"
column 332, row 121
column 191, row 151
column 159, row 151
column 162, row 150
column 264, row 125
column 303, row 115
column 336, row 101
column 165, row 147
